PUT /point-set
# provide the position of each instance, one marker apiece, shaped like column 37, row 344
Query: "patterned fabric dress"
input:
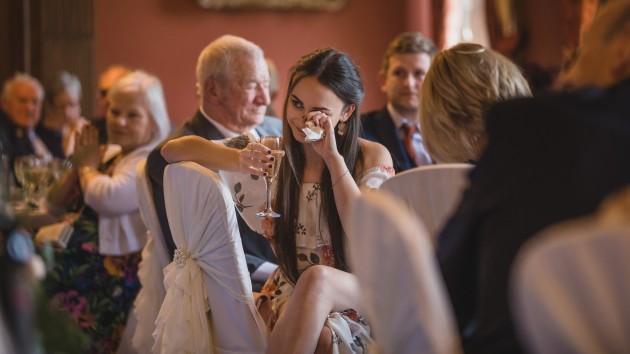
column 97, row 290
column 351, row 334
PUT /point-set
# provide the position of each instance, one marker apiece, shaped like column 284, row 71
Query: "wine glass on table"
column 32, row 172
column 274, row 143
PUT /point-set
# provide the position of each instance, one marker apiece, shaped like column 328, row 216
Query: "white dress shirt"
column 421, row 151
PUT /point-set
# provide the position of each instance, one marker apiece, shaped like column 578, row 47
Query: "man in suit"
column 232, row 83
column 548, row 159
column 22, row 98
column 397, row 125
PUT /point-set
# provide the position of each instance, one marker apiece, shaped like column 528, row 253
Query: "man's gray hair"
column 217, row 57
column 9, row 85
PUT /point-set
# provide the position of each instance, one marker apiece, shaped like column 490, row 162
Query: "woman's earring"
column 341, row 128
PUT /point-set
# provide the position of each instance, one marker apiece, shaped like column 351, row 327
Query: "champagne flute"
column 274, row 143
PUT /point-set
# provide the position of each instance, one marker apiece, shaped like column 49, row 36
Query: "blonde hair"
column 149, row 88
column 461, row 85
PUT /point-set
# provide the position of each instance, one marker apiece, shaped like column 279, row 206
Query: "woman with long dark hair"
column 311, row 291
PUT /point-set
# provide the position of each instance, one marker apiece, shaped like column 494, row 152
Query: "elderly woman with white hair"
column 95, row 277
column 63, row 109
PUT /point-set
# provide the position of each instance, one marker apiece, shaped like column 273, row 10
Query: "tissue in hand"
column 313, row 132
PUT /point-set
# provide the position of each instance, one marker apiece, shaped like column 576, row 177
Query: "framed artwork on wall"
column 314, row 5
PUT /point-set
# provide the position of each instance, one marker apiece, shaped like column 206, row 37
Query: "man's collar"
column 227, row 133
column 398, row 119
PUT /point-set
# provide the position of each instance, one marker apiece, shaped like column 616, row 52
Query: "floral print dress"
column 351, row 334
column 97, row 290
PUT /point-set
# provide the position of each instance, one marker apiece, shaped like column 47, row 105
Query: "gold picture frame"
column 314, row 5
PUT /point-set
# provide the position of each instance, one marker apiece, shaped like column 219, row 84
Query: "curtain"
column 578, row 16
column 503, row 26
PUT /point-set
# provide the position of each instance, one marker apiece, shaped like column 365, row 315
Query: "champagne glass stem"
column 268, row 184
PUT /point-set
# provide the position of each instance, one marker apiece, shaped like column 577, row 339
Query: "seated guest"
column 461, row 85
column 95, row 276
column 397, row 125
column 547, row 159
column 232, row 81
column 313, row 295
column 63, row 109
column 22, row 97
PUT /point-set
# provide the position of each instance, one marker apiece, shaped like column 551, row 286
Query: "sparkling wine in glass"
column 32, row 172
column 274, row 143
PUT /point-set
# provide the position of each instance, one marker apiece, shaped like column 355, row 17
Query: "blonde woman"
column 461, row 85
column 95, row 277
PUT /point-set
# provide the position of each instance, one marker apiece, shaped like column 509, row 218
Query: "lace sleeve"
column 373, row 177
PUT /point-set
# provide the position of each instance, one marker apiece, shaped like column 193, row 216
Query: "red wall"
column 164, row 37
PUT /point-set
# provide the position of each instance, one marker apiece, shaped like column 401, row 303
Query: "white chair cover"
column 571, row 288
column 155, row 258
column 404, row 296
column 431, row 192
column 208, row 273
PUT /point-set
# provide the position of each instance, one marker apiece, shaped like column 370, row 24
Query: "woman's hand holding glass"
column 263, row 159
column 255, row 159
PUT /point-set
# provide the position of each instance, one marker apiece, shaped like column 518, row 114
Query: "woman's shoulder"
column 374, row 154
column 377, row 165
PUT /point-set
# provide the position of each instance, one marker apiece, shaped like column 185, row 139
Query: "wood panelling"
column 41, row 37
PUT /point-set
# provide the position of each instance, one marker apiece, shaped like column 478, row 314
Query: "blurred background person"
column 548, row 159
column 107, row 78
column 62, row 112
column 20, row 134
column 95, row 277
column 397, row 125
column 459, row 88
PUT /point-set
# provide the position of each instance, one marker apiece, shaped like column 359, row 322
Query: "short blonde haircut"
column 461, row 85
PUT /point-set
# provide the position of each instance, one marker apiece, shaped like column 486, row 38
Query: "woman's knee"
column 313, row 280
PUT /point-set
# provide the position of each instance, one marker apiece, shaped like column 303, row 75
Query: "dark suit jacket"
column 101, row 124
column 548, row 159
column 378, row 126
column 256, row 247
column 15, row 146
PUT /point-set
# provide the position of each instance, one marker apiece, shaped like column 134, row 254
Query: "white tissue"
column 313, row 132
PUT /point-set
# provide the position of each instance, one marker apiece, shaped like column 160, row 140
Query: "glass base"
column 268, row 214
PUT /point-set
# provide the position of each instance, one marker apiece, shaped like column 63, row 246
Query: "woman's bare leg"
column 319, row 291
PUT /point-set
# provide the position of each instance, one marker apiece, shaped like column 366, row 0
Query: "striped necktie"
column 408, row 131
